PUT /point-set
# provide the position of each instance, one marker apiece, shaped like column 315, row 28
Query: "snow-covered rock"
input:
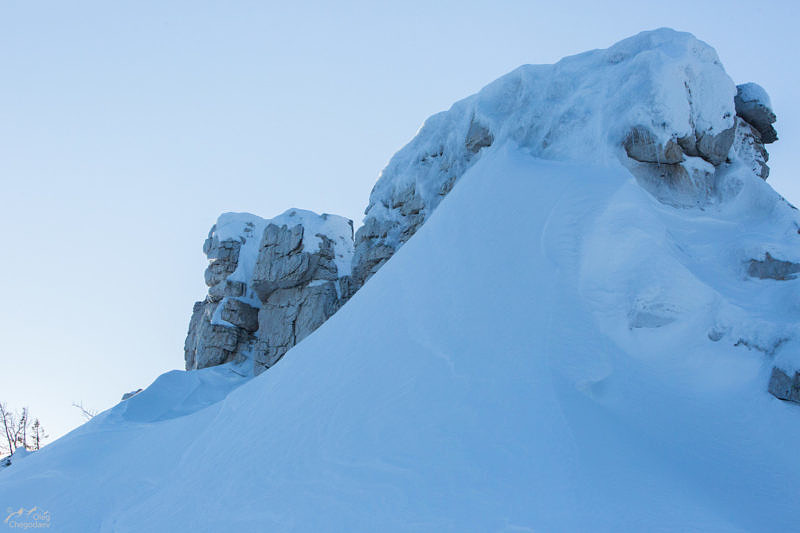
column 659, row 102
column 661, row 98
column 271, row 282
column 754, row 106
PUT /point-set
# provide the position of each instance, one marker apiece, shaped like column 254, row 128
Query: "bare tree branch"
column 88, row 414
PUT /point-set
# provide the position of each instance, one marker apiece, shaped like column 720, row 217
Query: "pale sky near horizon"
column 127, row 127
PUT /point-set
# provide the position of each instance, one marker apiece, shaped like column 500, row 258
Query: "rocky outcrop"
column 271, row 282
column 660, row 102
column 291, row 314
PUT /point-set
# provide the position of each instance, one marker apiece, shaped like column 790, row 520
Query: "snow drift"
column 558, row 348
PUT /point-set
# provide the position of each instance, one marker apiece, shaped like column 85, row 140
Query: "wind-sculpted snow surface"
column 566, row 344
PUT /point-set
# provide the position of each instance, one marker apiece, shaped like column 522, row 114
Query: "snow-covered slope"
column 554, row 350
column 509, row 370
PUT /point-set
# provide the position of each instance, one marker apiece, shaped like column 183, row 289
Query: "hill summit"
column 566, row 308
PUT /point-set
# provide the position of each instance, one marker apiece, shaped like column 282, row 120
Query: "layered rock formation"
column 271, row 283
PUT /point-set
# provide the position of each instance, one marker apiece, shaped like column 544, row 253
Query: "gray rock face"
column 282, row 263
column 372, row 250
column 271, row 283
column 209, row 344
column 240, row 314
column 299, row 290
column 212, row 339
column 289, row 315
column 783, row 386
column 772, row 268
column 222, row 259
column 752, row 104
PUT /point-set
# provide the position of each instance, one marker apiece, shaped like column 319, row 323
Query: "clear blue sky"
column 127, row 127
